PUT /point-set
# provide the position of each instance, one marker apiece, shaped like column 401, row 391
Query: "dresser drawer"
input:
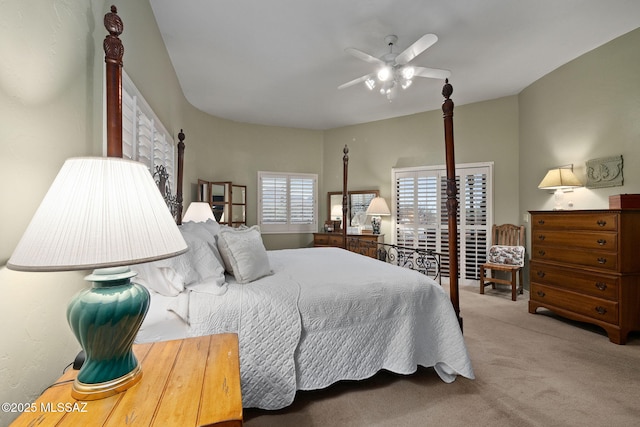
column 597, row 285
column 328, row 240
column 586, row 239
column 596, row 308
column 604, row 221
column 596, row 259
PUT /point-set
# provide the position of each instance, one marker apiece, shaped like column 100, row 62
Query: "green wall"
column 483, row 132
column 586, row 109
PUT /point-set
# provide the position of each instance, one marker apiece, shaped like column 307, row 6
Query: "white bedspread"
column 265, row 316
column 350, row 302
column 328, row 315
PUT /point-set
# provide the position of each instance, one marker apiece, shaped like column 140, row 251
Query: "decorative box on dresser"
column 365, row 244
column 585, row 265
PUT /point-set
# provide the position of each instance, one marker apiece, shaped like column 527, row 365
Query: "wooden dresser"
column 585, row 265
column 365, row 244
column 189, row 382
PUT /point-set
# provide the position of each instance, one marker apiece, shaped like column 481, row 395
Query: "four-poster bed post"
column 452, row 200
column 113, row 54
column 345, row 196
column 180, row 174
column 114, row 51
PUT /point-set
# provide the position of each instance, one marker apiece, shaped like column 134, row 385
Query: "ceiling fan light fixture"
column 392, row 92
column 370, row 83
column 395, row 72
column 408, row 72
column 406, row 83
column 386, row 87
column 384, row 74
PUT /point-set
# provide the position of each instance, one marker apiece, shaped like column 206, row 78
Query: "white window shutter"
column 144, row 138
column 421, row 217
column 287, row 203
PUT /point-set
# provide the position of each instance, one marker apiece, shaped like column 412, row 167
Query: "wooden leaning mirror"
column 358, row 202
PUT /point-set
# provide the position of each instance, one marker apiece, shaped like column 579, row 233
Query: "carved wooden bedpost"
column 452, row 200
column 345, row 196
column 113, row 51
column 180, row 174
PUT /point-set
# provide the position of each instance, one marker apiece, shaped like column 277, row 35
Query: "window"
column 287, row 202
column 420, row 212
column 144, row 138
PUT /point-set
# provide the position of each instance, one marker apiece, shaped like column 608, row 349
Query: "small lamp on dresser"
column 102, row 213
column 560, row 179
column 377, row 208
column 336, row 217
column 198, row 212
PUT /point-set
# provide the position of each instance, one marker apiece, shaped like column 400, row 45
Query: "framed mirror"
column 227, row 200
column 358, row 202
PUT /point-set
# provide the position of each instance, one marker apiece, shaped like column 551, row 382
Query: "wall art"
column 604, row 172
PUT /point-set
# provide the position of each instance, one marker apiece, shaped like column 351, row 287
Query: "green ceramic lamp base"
column 105, row 319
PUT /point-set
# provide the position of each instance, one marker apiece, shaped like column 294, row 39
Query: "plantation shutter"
column 274, row 200
column 302, row 200
column 144, row 138
column 421, row 218
column 287, row 203
column 416, row 209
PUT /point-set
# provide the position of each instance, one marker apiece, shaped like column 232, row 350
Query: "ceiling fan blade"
column 432, row 73
column 419, row 46
column 364, row 56
column 356, row 81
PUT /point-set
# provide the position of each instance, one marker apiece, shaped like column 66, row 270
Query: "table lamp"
column 102, row 213
column 559, row 179
column 377, row 208
column 198, row 212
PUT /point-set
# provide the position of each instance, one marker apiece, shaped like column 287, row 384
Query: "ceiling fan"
column 393, row 69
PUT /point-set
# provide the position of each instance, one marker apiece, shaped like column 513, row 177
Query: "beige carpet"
column 531, row 370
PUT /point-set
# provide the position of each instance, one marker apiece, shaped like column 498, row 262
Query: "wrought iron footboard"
column 424, row 261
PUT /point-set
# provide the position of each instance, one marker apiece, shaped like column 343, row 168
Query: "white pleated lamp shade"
column 378, row 207
column 198, row 212
column 99, row 212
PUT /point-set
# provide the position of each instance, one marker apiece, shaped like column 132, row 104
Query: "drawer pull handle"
column 601, row 310
column 541, row 274
column 541, row 237
column 602, row 222
column 601, row 285
column 602, row 260
column 541, row 221
column 540, row 294
column 541, row 253
column 602, row 242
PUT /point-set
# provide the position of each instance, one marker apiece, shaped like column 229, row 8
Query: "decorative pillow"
column 508, row 255
column 170, row 276
column 207, row 231
column 244, row 254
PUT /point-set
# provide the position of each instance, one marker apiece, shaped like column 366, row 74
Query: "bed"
column 305, row 318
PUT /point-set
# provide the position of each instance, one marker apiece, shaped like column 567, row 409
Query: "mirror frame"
column 376, row 193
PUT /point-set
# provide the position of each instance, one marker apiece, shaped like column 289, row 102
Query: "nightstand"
column 189, row 382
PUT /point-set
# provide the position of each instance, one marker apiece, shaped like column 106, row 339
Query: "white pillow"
column 206, row 230
column 244, row 253
column 158, row 278
column 199, row 264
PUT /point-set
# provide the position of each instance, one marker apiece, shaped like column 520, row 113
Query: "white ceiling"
column 279, row 62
